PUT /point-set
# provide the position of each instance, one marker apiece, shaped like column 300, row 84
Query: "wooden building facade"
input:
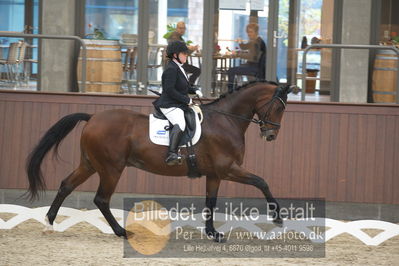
column 340, row 152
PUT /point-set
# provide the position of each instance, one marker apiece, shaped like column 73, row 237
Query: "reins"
column 259, row 122
column 252, row 120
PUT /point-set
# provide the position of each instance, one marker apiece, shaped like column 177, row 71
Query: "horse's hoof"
column 48, row 228
column 129, row 234
column 47, row 231
column 278, row 222
column 217, row 237
column 122, row 234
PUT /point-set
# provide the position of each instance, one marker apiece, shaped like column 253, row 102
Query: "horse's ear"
column 288, row 89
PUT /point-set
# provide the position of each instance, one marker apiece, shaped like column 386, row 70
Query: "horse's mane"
column 245, row 85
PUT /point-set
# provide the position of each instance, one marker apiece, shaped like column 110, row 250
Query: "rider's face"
column 183, row 57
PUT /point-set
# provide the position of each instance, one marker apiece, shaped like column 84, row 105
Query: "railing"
column 348, row 46
column 55, row 37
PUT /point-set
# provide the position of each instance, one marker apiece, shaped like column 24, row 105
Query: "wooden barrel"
column 385, row 77
column 103, row 66
column 311, row 84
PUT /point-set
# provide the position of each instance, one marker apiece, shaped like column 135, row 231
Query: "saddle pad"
column 160, row 136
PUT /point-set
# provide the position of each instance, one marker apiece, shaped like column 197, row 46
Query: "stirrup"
column 174, row 159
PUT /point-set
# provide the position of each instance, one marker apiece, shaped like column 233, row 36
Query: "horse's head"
column 270, row 112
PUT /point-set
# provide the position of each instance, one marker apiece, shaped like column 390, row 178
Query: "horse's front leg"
column 212, row 188
column 240, row 175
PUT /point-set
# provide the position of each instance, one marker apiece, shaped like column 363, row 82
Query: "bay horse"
column 114, row 139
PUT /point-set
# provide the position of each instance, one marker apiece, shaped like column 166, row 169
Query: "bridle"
column 265, row 120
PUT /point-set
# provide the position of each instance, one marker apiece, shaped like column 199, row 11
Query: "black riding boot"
column 175, row 135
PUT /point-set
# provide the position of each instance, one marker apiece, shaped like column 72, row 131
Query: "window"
column 111, row 17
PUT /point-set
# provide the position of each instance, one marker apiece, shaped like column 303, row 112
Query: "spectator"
column 254, row 51
column 177, row 35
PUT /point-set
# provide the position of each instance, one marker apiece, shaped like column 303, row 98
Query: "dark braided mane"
column 245, row 85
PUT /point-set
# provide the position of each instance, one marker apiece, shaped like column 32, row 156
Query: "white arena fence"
column 95, row 218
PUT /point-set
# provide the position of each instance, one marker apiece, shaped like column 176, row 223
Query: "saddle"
column 159, row 125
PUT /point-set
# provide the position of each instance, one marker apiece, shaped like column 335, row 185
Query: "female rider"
column 174, row 98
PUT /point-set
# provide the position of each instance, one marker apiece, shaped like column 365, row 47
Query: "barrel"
column 385, row 77
column 103, row 66
column 311, row 84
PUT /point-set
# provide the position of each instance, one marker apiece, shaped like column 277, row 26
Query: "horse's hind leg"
column 108, row 181
column 77, row 177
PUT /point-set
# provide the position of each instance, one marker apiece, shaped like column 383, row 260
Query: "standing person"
column 254, row 51
column 174, row 98
column 177, row 35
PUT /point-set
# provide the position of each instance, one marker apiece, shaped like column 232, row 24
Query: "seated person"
column 178, row 36
column 254, row 51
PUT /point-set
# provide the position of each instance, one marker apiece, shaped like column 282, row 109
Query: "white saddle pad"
column 160, row 136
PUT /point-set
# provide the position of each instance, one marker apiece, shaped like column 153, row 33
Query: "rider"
column 174, row 98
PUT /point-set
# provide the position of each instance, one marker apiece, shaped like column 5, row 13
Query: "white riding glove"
column 191, row 102
column 199, row 93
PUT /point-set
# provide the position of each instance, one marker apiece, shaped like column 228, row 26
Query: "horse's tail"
column 52, row 138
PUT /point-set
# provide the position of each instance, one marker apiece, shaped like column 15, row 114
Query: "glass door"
column 300, row 24
column 274, row 22
column 171, row 20
column 32, row 27
column 117, row 22
column 19, row 16
column 240, row 49
column 281, row 37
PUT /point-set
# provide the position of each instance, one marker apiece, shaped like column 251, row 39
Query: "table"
column 222, row 63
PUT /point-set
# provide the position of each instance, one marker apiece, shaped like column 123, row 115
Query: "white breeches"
column 175, row 116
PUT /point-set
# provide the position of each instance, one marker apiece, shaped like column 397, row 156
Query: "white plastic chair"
column 11, row 61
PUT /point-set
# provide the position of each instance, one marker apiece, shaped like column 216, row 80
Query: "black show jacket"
column 175, row 88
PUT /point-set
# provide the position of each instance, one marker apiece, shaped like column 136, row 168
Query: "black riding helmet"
column 176, row 47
